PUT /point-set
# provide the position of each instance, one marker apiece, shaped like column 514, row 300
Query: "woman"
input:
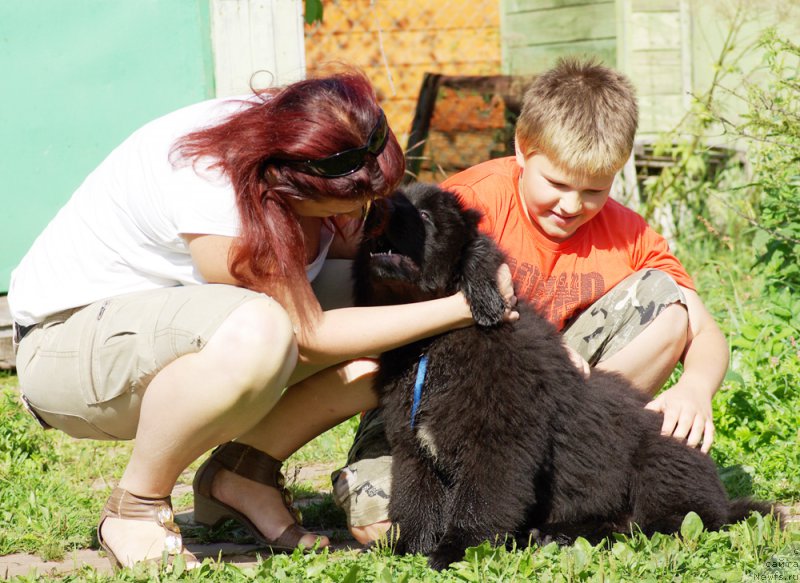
column 169, row 301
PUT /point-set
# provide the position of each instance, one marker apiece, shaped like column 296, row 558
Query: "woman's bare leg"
column 306, row 410
column 198, row 401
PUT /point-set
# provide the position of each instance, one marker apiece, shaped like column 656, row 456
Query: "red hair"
column 309, row 119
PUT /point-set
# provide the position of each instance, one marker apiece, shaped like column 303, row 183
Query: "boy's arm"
column 687, row 404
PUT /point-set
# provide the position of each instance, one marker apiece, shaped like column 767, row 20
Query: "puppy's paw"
column 444, row 556
column 540, row 538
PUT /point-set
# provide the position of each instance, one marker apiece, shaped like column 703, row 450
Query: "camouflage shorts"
column 362, row 487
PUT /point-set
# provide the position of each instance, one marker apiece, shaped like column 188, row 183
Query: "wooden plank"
column 657, row 72
column 411, row 15
column 535, row 59
column 686, row 52
column 256, row 35
column 7, row 359
column 655, row 30
column 654, row 5
column 6, row 332
column 363, row 49
column 659, row 113
column 559, row 25
column 624, row 34
column 514, row 6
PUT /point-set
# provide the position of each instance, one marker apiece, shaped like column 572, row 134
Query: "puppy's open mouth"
column 390, row 261
column 393, row 258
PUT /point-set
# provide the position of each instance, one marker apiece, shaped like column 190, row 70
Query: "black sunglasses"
column 345, row 162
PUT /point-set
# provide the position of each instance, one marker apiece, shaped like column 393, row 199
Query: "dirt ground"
column 242, row 554
column 314, row 475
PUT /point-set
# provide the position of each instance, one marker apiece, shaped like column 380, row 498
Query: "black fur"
column 509, row 437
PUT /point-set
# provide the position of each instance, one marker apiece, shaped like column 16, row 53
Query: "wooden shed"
column 667, row 47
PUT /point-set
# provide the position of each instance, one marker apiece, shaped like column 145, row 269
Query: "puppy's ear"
column 472, row 217
column 478, row 281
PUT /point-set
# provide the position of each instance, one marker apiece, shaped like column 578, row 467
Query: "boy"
column 593, row 267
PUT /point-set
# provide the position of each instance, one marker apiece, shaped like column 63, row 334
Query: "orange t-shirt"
column 562, row 278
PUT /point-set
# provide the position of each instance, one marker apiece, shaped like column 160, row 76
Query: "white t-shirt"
column 121, row 230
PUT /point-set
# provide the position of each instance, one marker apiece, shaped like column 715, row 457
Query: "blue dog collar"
column 421, row 371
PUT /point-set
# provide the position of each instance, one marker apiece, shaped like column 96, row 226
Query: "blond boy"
column 593, row 267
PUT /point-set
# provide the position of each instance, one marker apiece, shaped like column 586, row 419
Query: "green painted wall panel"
column 560, row 25
column 536, row 59
column 527, row 5
column 78, row 76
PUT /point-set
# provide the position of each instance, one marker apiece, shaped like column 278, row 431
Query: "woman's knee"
column 256, row 346
column 358, row 369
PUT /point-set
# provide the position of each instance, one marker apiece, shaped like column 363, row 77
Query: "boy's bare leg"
column 650, row 358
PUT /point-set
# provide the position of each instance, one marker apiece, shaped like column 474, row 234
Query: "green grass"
column 52, row 486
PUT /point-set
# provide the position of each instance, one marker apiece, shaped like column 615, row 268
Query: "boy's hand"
column 687, row 415
column 579, row 362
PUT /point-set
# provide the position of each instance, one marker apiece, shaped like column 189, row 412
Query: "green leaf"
column 477, row 554
column 352, row 575
column 178, row 566
column 751, row 332
column 734, row 377
column 692, row 526
column 313, row 11
column 385, row 576
column 581, row 553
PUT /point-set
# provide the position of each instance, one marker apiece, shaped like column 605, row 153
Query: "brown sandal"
column 127, row 506
column 252, row 464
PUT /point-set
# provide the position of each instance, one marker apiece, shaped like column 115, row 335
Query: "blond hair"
column 582, row 115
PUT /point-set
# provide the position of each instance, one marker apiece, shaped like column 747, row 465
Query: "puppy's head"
column 421, row 243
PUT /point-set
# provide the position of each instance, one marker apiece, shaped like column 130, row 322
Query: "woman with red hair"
column 170, row 301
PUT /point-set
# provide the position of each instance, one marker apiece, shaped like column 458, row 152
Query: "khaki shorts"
column 362, row 488
column 84, row 371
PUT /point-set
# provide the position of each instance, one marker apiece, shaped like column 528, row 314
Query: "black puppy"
column 504, row 435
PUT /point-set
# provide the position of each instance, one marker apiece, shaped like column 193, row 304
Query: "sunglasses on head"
column 345, row 162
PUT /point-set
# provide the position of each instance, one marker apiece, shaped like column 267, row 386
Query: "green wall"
column 78, row 76
column 535, row 33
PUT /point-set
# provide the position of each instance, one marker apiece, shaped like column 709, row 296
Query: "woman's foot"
column 134, row 541
column 240, row 482
column 262, row 504
column 133, row 529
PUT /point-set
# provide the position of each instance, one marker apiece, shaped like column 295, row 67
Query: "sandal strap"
column 128, row 506
column 290, row 538
column 250, row 463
